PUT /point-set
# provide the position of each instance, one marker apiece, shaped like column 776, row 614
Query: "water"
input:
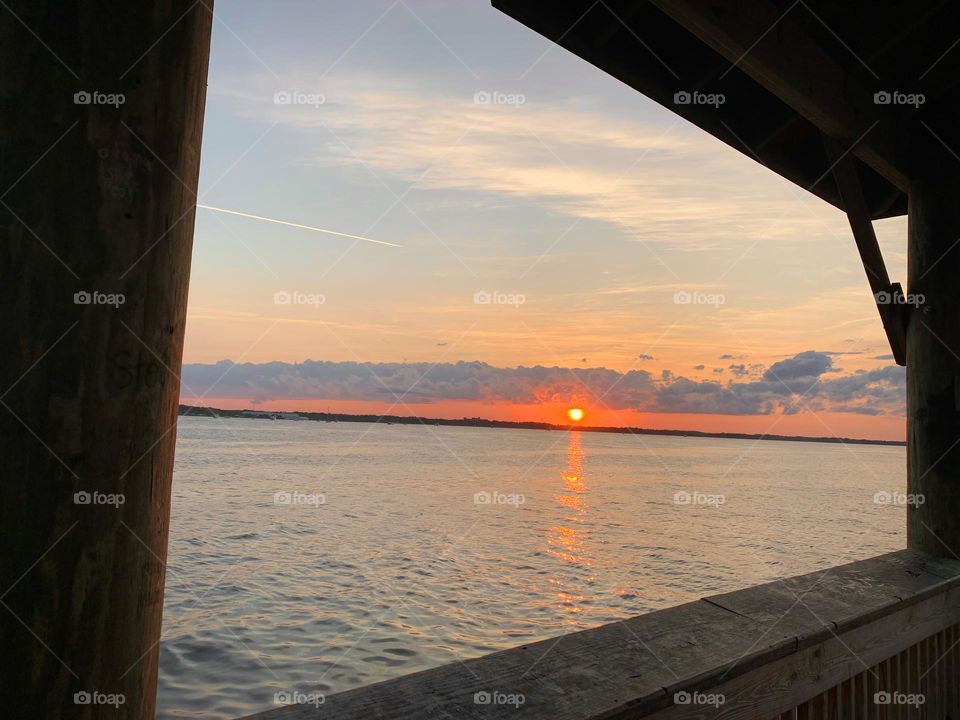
column 387, row 561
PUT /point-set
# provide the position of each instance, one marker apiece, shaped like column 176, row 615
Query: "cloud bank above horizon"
column 808, row 380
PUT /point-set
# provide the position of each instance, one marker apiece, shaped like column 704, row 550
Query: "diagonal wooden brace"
column 888, row 296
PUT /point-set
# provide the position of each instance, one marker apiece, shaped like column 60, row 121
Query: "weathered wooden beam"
column 933, row 357
column 889, row 297
column 766, row 648
column 101, row 109
column 827, row 661
column 641, row 46
column 767, row 43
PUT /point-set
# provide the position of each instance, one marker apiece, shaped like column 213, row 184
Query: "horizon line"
column 542, row 425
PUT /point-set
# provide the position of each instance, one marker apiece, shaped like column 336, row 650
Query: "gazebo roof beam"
column 776, row 51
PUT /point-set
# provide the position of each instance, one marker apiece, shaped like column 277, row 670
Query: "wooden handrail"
column 766, row 649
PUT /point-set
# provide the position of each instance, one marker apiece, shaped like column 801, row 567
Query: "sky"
column 529, row 234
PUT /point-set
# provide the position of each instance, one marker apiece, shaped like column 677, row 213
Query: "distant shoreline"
column 199, row 410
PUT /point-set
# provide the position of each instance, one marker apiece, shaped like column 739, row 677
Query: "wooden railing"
column 872, row 639
column 922, row 681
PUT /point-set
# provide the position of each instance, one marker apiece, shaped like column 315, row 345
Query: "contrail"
column 296, row 225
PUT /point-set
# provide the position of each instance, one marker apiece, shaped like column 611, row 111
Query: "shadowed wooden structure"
column 101, row 109
column 101, row 106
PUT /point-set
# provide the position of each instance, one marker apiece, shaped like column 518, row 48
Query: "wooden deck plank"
column 814, row 669
column 818, row 604
column 605, row 669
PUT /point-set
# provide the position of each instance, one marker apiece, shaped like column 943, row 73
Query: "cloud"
column 787, row 386
column 868, row 392
column 808, row 364
column 650, row 178
column 738, row 370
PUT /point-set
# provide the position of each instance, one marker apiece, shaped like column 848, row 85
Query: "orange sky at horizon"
column 805, row 423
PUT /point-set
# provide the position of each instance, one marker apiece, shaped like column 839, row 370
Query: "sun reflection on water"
column 567, row 540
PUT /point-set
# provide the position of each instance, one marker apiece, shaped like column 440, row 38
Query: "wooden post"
column 101, row 110
column 933, row 359
column 884, row 292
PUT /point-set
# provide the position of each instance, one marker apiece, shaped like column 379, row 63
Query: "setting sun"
column 575, row 414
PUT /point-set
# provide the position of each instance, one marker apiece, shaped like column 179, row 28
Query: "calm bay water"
column 317, row 557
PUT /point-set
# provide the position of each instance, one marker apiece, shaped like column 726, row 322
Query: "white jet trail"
column 296, row 225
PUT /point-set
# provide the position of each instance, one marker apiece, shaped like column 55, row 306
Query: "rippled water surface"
column 388, row 558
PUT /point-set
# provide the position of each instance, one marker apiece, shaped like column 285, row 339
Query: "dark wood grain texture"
column 98, row 196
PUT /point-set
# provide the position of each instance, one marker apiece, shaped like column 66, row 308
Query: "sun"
column 575, row 414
